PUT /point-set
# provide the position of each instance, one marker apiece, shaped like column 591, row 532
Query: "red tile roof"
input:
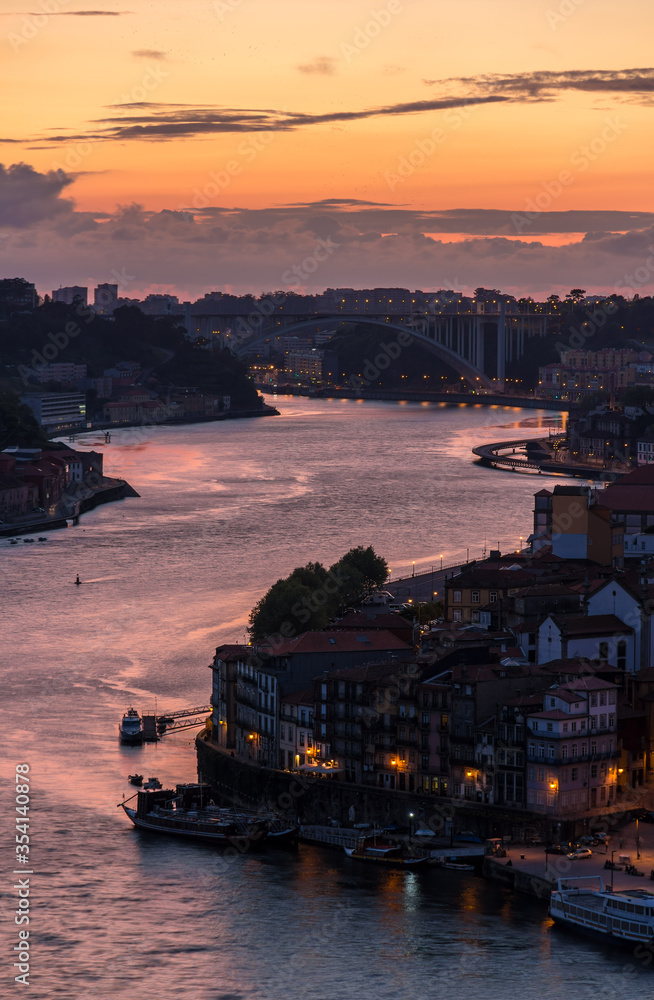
column 306, row 697
column 588, row 684
column 553, row 713
column 335, row 642
column 591, row 625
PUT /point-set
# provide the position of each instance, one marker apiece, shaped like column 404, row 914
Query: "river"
column 224, row 510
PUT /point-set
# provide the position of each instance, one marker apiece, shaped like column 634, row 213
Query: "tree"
column 311, row 595
column 576, row 294
column 18, row 425
column 361, row 570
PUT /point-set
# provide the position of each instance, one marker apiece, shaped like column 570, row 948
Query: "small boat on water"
column 189, row 812
column 135, row 779
column 457, row 866
column 387, row 852
column 131, row 727
column 152, row 783
column 619, row 917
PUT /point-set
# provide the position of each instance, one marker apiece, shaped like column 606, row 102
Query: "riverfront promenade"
column 532, row 863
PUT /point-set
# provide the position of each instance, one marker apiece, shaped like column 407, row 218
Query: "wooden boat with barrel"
column 387, row 852
column 189, row 812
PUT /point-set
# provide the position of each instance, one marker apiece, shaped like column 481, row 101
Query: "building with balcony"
column 572, row 754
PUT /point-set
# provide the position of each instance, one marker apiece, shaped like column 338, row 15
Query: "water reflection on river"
column 225, row 510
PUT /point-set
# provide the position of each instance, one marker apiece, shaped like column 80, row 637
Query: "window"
column 575, row 750
column 593, row 722
column 565, row 727
column 456, row 616
column 475, row 597
column 301, row 739
column 604, row 651
column 602, row 720
column 574, row 776
column 456, row 597
column 573, row 727
column 290, row 732
column 550, row 751
column 584, row 749
column 611, row 721
column 425, row 762
column 282, row 732
column 541, row 774
column 593, row 770
column 492, row 597
column 541, row 749
column 550, row 727
column 564, row 752
column 593, row 747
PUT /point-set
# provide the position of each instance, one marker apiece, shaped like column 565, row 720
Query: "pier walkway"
column 490, row 455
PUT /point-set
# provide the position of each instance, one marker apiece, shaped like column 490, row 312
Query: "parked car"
column 580, row 854
column 558, row 849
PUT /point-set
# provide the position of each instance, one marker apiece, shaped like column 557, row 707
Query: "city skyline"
column 398, row 144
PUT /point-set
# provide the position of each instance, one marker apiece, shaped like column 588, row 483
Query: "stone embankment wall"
column 317, row 800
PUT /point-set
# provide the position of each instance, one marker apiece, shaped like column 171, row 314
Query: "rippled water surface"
column 225, row 509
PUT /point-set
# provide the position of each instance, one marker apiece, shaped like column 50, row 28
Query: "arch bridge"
column 476, row 345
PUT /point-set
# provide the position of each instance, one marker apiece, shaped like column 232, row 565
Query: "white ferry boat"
column 625, row 916
column 131, row 727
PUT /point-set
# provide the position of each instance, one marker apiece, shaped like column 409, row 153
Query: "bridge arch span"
column 454, row 360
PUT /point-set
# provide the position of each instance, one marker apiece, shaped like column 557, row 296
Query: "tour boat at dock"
column 131, row 727
column 619, row 917
column 189, row 812
column 386, row 853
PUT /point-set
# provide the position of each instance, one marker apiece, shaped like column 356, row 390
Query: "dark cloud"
column 90, row 13
column 370, row 244
column 322, row 65
column 157, row 121
column 544, row 85
column 150, row 54
column 65, row 13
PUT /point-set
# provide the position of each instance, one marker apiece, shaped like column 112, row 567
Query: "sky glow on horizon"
column 210, row 144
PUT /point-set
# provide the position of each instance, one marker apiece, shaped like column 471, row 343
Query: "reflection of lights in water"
column 470, row 898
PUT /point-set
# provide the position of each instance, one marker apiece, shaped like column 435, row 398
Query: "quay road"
column 421, row 396
column 423, row 586
column 545, row 869
column 489, row 454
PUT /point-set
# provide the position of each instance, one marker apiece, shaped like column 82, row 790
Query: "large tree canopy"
column 311, row 595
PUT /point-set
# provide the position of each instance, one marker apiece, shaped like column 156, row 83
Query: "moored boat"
column 619, row 917
column 386, row 853
column 135, row 779
column 131, row 727
column 188, row 812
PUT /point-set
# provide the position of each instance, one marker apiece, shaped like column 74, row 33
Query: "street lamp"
column 410, row 826
column 441, row 562
column 637, row 843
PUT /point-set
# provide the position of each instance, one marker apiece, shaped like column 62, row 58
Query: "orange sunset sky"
column 190, row 145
